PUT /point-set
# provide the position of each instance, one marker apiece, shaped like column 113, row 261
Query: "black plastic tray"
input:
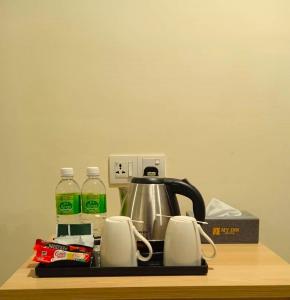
column 80, row 270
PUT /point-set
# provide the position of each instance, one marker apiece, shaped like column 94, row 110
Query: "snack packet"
column 48, row 252
column 72, row 248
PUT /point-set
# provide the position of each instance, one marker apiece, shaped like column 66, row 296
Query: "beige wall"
column 205, row 82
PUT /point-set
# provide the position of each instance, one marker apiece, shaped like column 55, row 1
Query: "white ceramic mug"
column 118, row 243
column 182, row 246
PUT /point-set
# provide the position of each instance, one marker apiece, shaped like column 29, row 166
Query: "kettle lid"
column 147, row 180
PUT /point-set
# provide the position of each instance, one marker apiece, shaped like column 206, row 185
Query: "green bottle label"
column 68, row 204
column 94, row 203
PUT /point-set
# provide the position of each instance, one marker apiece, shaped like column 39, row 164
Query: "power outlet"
column 121, row 169
column 151, row 165
column 124, row 166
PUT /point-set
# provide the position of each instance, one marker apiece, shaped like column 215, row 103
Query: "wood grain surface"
column 240, row 271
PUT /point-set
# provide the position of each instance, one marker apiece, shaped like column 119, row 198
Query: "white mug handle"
column 146, row 242
column 209, row 240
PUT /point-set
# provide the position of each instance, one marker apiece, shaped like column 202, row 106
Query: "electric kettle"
column 151, row 201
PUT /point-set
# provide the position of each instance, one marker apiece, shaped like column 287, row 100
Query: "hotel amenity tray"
column 154, row 267
column 58, row 269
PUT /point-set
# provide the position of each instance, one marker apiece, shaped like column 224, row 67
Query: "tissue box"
column 231, row 230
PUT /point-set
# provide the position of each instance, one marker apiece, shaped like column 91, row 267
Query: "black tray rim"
column 43, row 270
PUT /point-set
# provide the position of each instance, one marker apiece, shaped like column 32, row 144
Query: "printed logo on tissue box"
column 225, row 231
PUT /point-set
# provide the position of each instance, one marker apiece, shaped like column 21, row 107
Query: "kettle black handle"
column 184, row 188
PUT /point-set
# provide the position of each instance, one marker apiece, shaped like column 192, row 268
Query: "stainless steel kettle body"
column 151, row 201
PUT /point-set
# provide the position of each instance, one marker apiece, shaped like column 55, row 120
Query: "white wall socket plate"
column 122, row 167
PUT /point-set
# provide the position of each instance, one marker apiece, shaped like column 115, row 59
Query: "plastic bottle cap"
column 93, row 171
column 67, row 172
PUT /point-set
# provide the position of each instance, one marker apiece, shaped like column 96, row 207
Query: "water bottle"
column 94, row 206
column 68, row 198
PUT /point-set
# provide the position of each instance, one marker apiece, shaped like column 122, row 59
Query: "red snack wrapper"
column 71, row 248
column 48, row 252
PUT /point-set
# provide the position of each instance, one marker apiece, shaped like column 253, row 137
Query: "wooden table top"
column 240, row 271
